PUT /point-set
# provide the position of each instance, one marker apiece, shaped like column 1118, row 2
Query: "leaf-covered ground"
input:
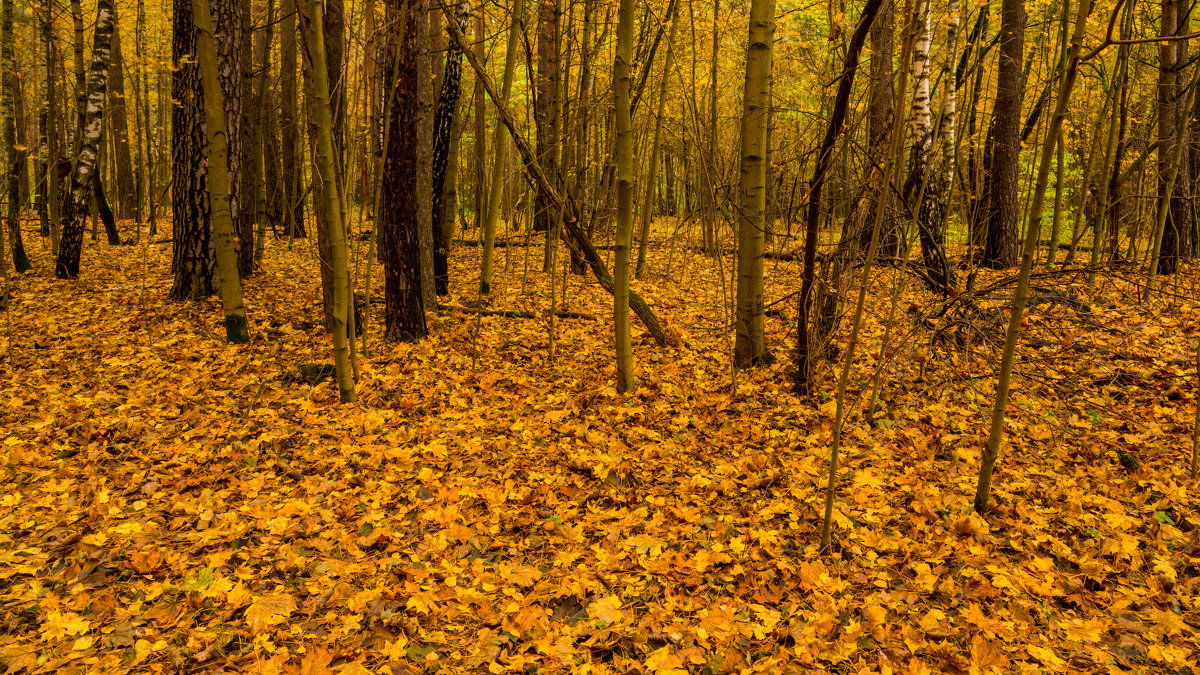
column 173, row 504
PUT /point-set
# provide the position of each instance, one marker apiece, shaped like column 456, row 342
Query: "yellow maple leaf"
column 665, row 662
column 96, row 539
column 397, row 650
column 238, row 595
column 61, row 624
column 269, row 610
column 607, row 610
column 1046, row 656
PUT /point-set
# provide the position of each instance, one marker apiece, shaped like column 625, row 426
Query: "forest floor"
column 174, row 504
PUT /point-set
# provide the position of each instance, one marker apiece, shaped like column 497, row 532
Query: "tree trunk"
column 80, row 76
column 326, row 162
column 426, row 94
column 803, row 352
column 546, row 117
column 22, row 133
column 16, row 163
column 922, row 188
column 193, row 263
column 479, row 144
column 499, row 149
column 648, row 194
column 262, row 131
column 625, row 189
column 50, row 115
column 193, row 259
column 880, row 117
column 150, row 182
column 750, row 342
column 935, row 259
column 322, row 181
column 245, row 215
column 444, row 120
column 105, row 213
column 1177, row 239
column 709, row 167
column 1000, row 250
column 976, row 212
column 404, row 315
column 583, row 97
column 75, row 216
column 289, row 147
column 118, row 122
column 219, row 178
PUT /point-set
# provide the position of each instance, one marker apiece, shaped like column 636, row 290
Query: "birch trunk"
column 74, row 218
column 443, row 127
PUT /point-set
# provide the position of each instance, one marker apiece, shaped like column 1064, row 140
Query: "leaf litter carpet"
column 173, row 504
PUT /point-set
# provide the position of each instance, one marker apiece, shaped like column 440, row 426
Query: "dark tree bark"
column 880, row 117
column 1000, row 250
column 1177, row 237
column 42, row 177
column 84, row 174
column 404, row 315
column 22, row 137
column 241, row 140
column 17, row 164
column 977, row 209
column 426, row 95
column 1114, row 180
column 118, row 123
column 105, row 213
column 443, row 122
column 1182, row 209
column 193, row 261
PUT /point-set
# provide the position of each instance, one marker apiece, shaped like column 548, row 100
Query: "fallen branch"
column 517, row 244
column 572, row 233
column 516, row 313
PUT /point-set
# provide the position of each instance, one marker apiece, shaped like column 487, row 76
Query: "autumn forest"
column 599, row 336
